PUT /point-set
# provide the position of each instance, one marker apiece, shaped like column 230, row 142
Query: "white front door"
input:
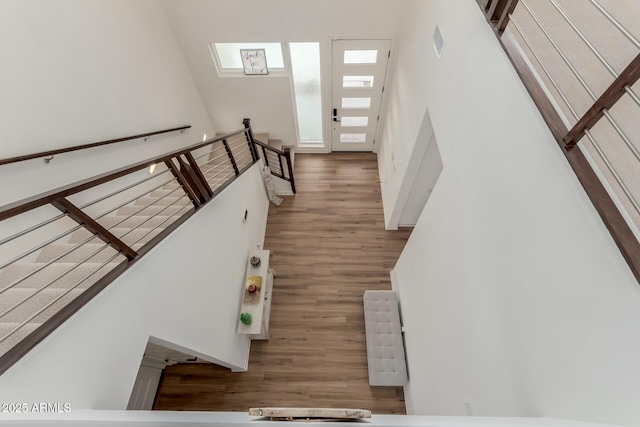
column 359, row 69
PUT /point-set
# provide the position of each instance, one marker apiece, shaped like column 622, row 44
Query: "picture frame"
column 254, row 61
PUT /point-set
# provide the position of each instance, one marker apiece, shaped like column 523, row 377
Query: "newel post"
column 249, row 133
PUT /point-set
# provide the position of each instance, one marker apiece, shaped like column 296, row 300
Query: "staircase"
column 88, row 241
column 272, row 152
column 64, row 269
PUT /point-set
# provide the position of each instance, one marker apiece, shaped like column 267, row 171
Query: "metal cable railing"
column 616, row 23
column 139, row 213
column 559, row 87
column 577, row 74
column 595, row 51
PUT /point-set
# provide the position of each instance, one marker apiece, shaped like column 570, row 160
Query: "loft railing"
column 278, row 161
column 48, row 155
column 587, row 92
column 73, row 241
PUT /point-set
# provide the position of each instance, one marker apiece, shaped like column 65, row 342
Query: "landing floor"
column 328, row 245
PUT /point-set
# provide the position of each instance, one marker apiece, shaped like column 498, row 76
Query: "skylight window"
column 227, row 55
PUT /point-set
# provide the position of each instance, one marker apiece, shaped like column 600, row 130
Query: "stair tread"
column 54, row 250
column 18, row 336
column 15, row 272
column 178, row 200
column 37, row 302
column 120, row 221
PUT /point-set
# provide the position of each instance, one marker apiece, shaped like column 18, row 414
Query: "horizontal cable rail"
column 51, row 153
column 616, row 23
column 65, row 251
column 279, row 162
column 561, row 62
column 610, row 167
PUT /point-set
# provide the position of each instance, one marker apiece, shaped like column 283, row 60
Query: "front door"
column 359, row 69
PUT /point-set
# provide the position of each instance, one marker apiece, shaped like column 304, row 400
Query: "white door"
column 146, row 386
column 359, row 69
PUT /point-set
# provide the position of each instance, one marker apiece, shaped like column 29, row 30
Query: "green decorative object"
column 245, row 318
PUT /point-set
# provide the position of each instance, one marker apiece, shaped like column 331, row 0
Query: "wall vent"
column 438, row 42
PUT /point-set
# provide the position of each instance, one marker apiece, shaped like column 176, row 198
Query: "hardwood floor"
column 328, row 245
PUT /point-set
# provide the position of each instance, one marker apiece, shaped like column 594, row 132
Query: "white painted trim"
column 408, row 401
column 197, row 354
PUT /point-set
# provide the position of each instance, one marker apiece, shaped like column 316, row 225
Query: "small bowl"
column 252, row 289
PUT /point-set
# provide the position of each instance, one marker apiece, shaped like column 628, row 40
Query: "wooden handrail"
column 47, row 197
column 498, row 12
column 187, row 174
column 281, row 153
column 613, row 219
column 84, row 146
column 269, row 147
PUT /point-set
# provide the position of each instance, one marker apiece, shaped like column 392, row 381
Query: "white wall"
column 513, row 294
column 268, row 99
column 81, row 71
column 186, row 292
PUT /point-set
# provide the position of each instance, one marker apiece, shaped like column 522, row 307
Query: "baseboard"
column 408, row 403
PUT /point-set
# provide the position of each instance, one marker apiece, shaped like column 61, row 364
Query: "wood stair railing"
column 500, row 16
column 83, row 246
column 279, row 161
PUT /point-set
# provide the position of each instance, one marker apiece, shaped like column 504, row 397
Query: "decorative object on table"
column 255, row 261
column 271, row 186
column 245, row 318
column 252, row 297
column 254, row 61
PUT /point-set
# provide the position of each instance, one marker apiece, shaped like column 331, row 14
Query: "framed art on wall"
column 254, row 61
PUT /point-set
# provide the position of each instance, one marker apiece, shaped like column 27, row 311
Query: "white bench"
column 385, row 348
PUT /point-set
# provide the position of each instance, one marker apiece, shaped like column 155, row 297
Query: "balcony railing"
column 581, row 64
column 66, row 245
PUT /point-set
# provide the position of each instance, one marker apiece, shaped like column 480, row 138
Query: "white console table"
column 260, row 311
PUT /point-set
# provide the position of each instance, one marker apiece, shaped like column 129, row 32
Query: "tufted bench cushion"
column 385, row 348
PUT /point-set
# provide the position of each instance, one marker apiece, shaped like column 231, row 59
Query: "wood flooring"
column 328, row 245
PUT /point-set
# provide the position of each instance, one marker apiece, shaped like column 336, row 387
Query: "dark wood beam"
column 231, row 158
column 196, row 170
column 183, row 182
column 614, row 92
column 193, row 180
column 620, row 231
column 75, row 213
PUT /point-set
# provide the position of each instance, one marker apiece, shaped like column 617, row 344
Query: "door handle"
column 335, row 115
